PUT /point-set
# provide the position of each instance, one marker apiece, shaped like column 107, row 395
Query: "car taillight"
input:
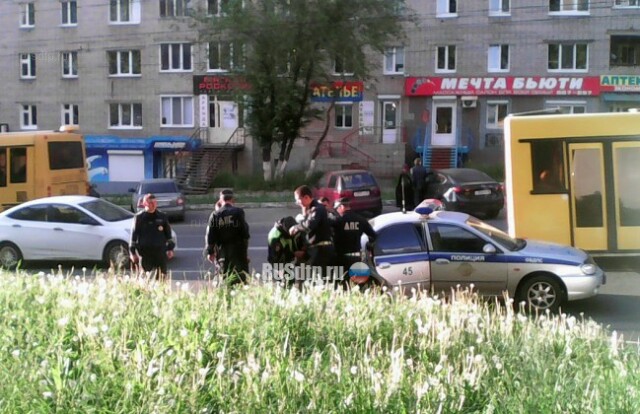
column 375, row 191
column 345, row 193
column 457, row 190
column 180, row 201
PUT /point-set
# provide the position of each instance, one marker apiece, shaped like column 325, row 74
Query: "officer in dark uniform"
column 316, row 225
column 227, row 240
column 347, row 230
column 151, row 238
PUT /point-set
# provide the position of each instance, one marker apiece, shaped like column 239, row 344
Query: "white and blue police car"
column 440, row 250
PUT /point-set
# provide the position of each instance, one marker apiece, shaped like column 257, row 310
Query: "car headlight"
column 588, row 269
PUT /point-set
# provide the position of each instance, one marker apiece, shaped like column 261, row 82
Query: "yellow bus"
column 575, row 179
column 40, row 164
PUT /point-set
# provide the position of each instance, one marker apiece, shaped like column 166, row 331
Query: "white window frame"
column 181, row 57
column 394, row 57
column 171, row 8
column 340, row 110
column 345, row 65
column 134, row 11
column 570, row 106
column 493, row 113
column 133, row 108
column 497, row 7
column 27, row 15
column 494, row 58
column 70, row 114
column 230, row 59
column 626, row 4
column 186, row 111
column 68, row 14
column 219, row 5
column 119, row 58
column 574, row 46
column 447, row 51
column 72, row 58
column 444, row 8
column 28, row 116
column 28, row 62
column 569, row 7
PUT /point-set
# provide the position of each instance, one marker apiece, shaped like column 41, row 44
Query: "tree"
column 291, row 45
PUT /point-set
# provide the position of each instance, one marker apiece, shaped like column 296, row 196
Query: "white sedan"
column 65, row 228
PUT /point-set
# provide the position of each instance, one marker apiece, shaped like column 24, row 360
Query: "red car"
column 359, row 186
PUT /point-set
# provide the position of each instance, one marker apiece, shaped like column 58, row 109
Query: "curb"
column 266, row 204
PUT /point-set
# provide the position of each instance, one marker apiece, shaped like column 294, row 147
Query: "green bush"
column 120, row 345
column 496, row 171
column 256, row 182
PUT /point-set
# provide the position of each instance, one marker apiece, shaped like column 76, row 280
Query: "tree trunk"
column 266, row 163
column 316, row 151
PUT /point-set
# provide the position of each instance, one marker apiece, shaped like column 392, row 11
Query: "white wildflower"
column 298, row 376
column 220, row 369
column 15, row 353
column 47, row 394
column 354, row 370
column 348, row 401
column 183, row 332
column 63, row 321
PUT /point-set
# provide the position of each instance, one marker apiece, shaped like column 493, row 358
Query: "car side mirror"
column 489, row 249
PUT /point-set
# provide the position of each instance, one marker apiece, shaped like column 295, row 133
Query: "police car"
column 440, row 250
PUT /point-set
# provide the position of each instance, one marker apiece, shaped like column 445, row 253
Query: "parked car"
column 466, row 190
column 439, row 251
column 360, row 186
column 69, row 228
column 171, row 200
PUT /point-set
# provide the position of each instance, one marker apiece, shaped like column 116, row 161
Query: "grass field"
column 110, row 344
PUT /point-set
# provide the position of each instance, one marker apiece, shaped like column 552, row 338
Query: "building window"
column 175, row 57
column 446, row 58
column 343, row 66
column 217, row 7
column 28, row 117
column 624, row 50
column 627, row 3
column 498, row 58
column 124, row 62
column 69, row 64
column 28, row 15
column 569, row 6
column 499, row 7
column 174, row 8
column 125, row 115
column 177, row 111
column 446, row 8
column 496, row 112
column 344, row 115
column 124, row 11
column 27, row 65
column 394, row 60
column 568, row 107
column 69, row 13
column 568, row 57
column 225, row 56
column 70, row 114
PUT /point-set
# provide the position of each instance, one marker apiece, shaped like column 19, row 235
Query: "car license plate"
column 360, row 193
column 482, row 192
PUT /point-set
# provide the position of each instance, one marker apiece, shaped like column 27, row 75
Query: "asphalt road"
column 617, row 306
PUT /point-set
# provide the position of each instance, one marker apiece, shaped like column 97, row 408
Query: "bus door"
column 626, row 176
column 588, row 196
column 20, row 166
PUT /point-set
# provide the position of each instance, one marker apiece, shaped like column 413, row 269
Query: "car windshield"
column 494, row 234
column 157, row 188
column 358, row 180
column 465, row 175
column 106, row 210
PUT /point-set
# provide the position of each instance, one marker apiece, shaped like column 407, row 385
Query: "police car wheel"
column 541, row 293
column 116, row 254
column 10, row 255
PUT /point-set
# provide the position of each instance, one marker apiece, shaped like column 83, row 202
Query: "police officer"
column 227, row 240
column 315, row 223
column 348, row 229
column 151, row 238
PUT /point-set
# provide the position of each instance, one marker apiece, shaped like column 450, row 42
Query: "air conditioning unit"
column 469, row 101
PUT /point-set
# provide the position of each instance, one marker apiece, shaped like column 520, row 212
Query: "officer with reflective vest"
column 227, row 240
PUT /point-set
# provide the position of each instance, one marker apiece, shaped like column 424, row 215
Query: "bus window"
column 65, row 154
column 547, row 160
column 18, row 165
column 3, row 167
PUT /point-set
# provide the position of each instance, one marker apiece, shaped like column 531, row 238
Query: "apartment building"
column 136, row 78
